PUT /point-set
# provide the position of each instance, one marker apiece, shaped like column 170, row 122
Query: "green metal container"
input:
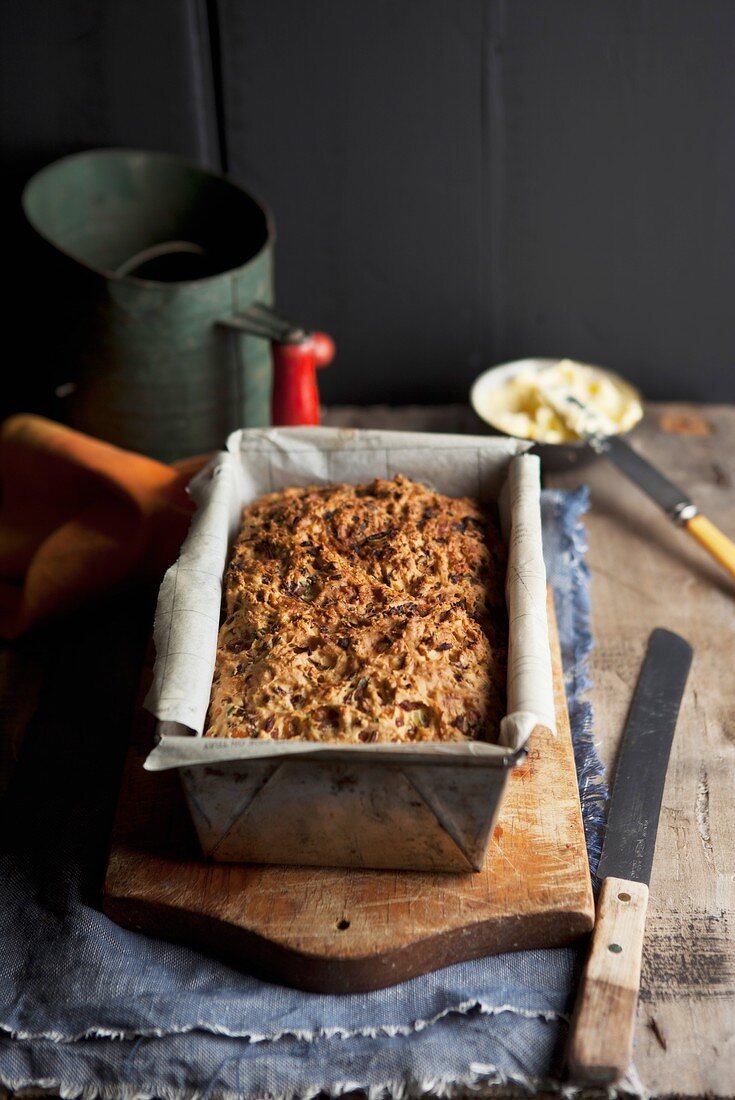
column 151, row 259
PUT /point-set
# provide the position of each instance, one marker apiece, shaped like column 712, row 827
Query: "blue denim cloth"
column 90, row 1009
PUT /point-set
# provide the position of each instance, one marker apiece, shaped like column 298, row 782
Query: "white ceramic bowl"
column 555, row 456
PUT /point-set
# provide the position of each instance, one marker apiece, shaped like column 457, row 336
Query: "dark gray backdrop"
column 455, row 182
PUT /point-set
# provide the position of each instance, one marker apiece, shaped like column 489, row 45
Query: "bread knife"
column 601, row 1038
column 585, row 423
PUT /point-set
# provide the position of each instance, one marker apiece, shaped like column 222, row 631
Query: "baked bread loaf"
column 361, row 614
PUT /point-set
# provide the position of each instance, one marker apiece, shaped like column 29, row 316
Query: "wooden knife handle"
column 601, row 1039
column 713, row 540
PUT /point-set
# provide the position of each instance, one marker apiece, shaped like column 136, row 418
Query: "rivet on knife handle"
column 602, row 1027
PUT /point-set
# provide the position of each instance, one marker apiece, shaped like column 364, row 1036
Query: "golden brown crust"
column 369, row 613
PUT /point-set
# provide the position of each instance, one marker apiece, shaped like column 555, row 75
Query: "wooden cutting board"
column 347, row 930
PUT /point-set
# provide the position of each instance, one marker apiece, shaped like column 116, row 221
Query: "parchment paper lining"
column 259, row 461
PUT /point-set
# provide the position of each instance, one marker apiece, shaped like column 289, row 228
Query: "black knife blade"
column 584, row 420
column 632, row 821
column 673, row 500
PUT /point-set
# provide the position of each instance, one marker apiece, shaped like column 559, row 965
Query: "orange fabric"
column 78, row 516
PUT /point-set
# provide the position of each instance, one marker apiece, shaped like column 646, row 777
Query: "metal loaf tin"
column 420, row 807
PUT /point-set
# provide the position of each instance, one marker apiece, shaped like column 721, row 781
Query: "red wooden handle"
column 324, row 348
column 295, row 391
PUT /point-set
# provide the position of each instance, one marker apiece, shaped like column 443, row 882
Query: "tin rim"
column 135, row 280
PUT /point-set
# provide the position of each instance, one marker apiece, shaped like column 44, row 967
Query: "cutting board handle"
column 601, row 1039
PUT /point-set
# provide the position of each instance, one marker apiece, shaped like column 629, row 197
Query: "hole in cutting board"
column 343, row 924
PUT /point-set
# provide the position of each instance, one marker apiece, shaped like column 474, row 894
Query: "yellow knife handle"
column 714, row 542
column 601, row 1039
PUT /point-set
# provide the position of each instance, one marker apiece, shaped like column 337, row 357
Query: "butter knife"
column 583, row 420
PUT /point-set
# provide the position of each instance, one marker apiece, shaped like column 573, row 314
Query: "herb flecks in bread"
column 363, row 614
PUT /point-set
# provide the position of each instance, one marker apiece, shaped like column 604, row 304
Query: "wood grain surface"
column 344, row 930
column 647, row 573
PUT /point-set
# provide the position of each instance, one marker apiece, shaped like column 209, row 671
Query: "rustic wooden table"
column 645, row 573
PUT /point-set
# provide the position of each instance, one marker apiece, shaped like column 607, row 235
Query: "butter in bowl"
column 510, row 398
